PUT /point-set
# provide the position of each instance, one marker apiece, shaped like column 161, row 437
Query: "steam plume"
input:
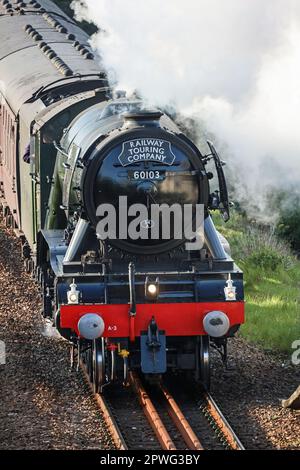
column 233, row 66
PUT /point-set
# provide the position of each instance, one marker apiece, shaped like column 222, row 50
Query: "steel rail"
column 181, row 422
column 156, row 423
column 222, row 423
column 151, row 414
column 107, row 415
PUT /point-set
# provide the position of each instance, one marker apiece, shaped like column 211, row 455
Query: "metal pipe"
column 78, row 236
column 132, row 311
column 212, row 240
column 131, row 276
column 113, row 365
column 125, row 370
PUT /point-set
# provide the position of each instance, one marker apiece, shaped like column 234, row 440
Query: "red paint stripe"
column 184, row 319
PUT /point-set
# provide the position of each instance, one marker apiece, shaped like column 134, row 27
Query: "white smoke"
column 232, row 65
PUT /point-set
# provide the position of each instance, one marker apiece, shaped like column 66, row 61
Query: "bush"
column 289, row 227
column 256, row 246
column 260, row 247
column 286, row 204
column 265, row 258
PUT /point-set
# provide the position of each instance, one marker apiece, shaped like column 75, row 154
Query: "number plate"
column 139, row 175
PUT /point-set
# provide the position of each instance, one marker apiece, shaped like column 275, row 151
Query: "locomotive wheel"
column 87, row 358
column 27, row 264
column 98, row 359
column 204, row 362
column 8, row 220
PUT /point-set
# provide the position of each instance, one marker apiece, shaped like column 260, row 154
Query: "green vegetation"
column 272, row 283
column 289, row 226
column 287, row 205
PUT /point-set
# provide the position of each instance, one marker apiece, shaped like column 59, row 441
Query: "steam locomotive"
column 144, row 303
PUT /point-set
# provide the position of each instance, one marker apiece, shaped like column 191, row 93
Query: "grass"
column 272, row 284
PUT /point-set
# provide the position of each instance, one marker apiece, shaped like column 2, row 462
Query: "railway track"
column 153, row 417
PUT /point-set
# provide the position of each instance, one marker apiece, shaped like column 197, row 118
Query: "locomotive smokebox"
column 143, row 157
column 91, row 326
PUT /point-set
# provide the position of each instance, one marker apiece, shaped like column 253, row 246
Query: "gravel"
column 43, row 404
column 250, row 397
